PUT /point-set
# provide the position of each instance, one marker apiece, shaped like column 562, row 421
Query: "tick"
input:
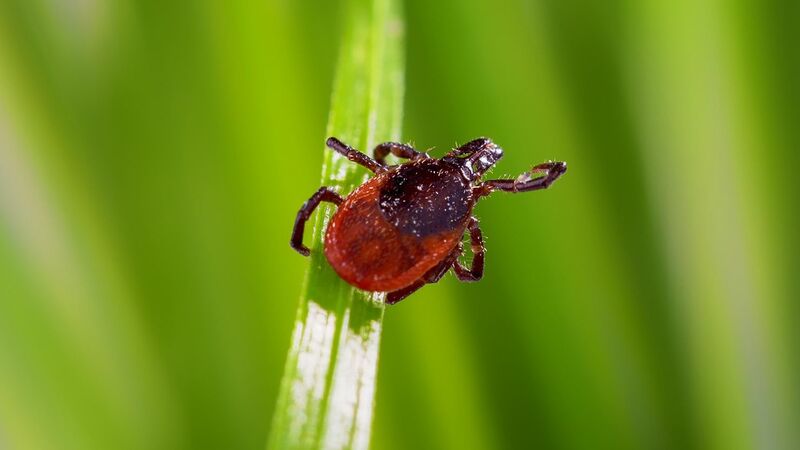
column 402, row 228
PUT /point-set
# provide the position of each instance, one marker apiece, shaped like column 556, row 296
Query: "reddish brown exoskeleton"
column 402, row 228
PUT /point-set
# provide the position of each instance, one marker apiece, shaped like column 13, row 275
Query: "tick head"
column 484, row 159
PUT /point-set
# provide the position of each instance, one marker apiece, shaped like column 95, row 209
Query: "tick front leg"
column 399, row 150
column 324, row 194
column 355, row 155
column 475, row 272
column 523, row 183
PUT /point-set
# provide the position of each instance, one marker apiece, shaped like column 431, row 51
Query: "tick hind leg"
column 395, row 296
column 475, row 272
column 399, row 150
column 324, row 194
column 432, row 276
column 355, row 155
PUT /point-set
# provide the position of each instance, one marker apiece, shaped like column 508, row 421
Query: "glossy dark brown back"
column 426, row 197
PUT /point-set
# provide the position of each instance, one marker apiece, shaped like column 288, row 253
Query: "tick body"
column 403, row 227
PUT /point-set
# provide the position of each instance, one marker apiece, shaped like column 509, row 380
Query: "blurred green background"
column 153, row 156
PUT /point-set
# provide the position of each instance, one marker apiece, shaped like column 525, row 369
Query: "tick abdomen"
column 398, row 225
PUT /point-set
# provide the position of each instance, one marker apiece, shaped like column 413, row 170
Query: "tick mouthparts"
column 495, row 150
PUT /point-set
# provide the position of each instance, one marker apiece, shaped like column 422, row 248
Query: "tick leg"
column 552, row 171
column 436, row 274
column 475, row 272
column 470, row 147
column 324, row 194
column 355, row 155
column 431, row 276
column 399, row 150
column 395, row 296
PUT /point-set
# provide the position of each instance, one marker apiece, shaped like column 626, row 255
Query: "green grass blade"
column 328, row 387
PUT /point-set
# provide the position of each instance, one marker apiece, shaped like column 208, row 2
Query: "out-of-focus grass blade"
column 326, row 397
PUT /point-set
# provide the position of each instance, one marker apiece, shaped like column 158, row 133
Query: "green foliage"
column 153, row 156
column 328, row 389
